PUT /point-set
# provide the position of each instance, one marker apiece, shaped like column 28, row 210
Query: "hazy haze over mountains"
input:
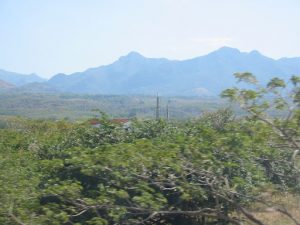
column 135, row 74
column 19, row 79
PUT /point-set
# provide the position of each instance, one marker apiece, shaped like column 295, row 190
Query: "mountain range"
column 206, row 75
column 18, row 79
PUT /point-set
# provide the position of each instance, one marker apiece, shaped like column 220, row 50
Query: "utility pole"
column 167, row 111
column 157, row 107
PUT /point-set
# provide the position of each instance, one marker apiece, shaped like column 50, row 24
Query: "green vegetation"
column 74, row 107
column 209, row 170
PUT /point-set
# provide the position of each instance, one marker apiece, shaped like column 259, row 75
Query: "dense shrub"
column 157, row 172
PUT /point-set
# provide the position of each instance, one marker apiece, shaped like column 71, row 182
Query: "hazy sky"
column 52, row 36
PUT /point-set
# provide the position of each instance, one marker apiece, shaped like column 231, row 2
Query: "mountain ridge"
column 204, row 75
column 19, row 79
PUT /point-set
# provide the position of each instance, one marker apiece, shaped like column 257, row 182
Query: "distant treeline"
column 72, row 107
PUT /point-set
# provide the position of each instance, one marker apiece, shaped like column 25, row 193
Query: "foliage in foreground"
column 201, row 171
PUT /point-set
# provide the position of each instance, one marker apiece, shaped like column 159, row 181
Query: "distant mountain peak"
column 227, row 49
column 255, row 53
column 225, row 52
column 132, row 56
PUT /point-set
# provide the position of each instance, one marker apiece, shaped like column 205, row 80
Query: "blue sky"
column 52, row 36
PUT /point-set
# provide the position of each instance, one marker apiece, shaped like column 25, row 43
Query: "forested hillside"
column 76, row 107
